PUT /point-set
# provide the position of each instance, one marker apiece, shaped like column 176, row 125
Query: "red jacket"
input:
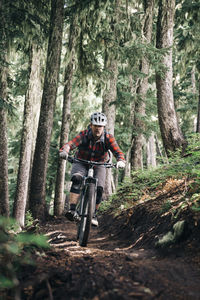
column 89, row 149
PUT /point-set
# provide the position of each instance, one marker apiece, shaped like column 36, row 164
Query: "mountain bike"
column 85, row 207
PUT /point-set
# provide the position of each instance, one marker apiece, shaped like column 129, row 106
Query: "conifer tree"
column 187, row 26
column 33, row 22
column 110, row 90
column 139, row 126
column 59, row 200
column 40, row 162
column 170, row 131
column 4, row 199
column 33, row 97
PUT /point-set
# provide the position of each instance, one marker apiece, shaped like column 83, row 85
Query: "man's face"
column 97, row 131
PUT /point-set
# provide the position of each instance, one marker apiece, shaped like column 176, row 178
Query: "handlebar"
column 72, row 159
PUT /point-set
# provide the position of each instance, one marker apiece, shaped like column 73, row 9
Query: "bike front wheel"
column 87, row 214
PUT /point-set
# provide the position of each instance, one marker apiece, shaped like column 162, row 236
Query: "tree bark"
column 198, row 113
column 140, row 107
column 151, row 151
column 109, row 97
column 110, row 92
column 32, row 97
column 170, row 131
column 133, row 90
column 39, row 170
column 59, row 201
column 4, row 197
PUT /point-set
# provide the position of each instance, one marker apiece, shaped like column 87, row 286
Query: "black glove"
column 63, row 154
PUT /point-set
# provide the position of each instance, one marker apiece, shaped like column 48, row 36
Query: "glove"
column 63, row 154
column 120, row 164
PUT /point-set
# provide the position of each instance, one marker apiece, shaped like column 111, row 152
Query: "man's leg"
column 77, row 173
column 73, row 199
column 74, row 195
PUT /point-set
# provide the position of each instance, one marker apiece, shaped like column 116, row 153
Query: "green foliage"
column 172, row 236
column 28, row 219
column 195, row 199
column 8, row 106
column 104, row 31
column 15, row 251
column 186, row 61
column 143, row 185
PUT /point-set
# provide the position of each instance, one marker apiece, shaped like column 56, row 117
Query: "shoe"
column 95, row 221
column 70, row 215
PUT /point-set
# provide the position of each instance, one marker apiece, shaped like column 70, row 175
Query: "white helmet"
column 99, row 119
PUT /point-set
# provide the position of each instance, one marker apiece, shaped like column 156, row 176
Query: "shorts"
column 99, row 172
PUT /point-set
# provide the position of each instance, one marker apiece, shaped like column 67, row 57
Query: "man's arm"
column 114, row 147
column 74, row 143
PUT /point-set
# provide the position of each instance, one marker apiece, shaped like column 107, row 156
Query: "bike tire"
column 87, row 214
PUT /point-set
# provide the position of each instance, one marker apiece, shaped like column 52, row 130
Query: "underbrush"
column 16, row 251
column 182, row 173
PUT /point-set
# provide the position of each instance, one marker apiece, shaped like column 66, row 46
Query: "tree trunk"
column 198, row 113
column 109, row 109
column 4, row 198
column 136, row 150
column 133, row 90
column 110, row 92
column 33, row 96
column 59, row 201
column 140, row 107
column 193, row 81
column 170, row 131
column 151, row 151
column 39, row 170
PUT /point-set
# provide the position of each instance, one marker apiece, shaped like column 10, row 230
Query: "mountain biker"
column 93, row 144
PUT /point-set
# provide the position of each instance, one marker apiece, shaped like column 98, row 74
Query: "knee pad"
column 76, row 183
column 99, row 194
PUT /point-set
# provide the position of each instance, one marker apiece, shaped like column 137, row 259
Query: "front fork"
column 79, row 208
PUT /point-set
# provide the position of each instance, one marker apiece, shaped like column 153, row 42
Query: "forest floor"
column 121, row 260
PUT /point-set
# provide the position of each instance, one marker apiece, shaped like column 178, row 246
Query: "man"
column 93, row 144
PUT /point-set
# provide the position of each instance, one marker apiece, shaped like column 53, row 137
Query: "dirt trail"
column 108, row 269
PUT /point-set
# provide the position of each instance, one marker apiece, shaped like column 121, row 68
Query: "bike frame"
column 86, row 180
column 87, row 202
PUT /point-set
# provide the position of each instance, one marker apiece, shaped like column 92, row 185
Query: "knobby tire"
column 87, row 215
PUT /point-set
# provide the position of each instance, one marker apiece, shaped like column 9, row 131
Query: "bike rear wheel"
column 87, row 214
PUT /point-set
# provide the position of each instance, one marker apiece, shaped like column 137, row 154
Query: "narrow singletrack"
column 110, row 269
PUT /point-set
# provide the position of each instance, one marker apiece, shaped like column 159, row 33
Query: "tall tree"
column 170, row 131
column 198, row 113
column 187, row 26
column 140, row 106
column 4, row 199
column 109, row 98
column 59, row 200
column 110, row 91
column 33, row 97
column 40, row 162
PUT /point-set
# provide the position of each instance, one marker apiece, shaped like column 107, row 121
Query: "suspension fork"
column 93, row 180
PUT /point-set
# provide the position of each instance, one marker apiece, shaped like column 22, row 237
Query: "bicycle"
column 85, row 207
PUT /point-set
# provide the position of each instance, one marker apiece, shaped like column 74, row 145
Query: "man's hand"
column 63, row 154
column 121, row 164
